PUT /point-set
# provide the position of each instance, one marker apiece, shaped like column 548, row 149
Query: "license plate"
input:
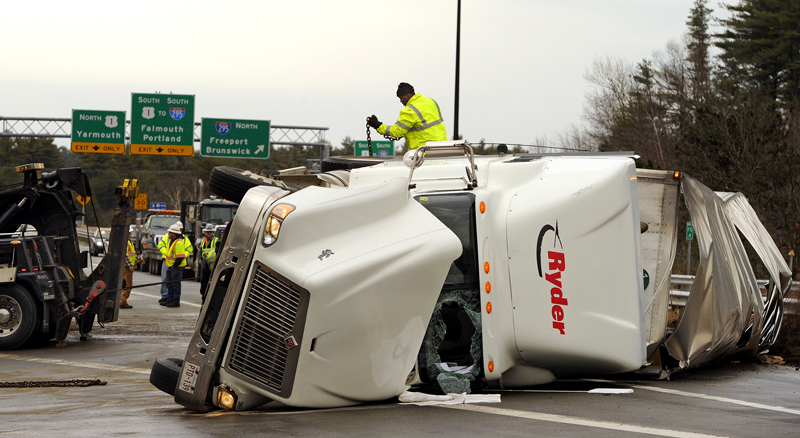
column 188, row 377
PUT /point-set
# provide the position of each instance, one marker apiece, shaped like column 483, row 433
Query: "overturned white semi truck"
column 498, row 271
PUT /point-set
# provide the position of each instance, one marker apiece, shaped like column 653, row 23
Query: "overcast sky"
column 327, row 63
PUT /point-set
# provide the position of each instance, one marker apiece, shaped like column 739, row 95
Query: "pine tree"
column 762, row 43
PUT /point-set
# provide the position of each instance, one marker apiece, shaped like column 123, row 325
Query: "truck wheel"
column 232, row 183
column 338, row 162
column 165, row 374
column 19, row 316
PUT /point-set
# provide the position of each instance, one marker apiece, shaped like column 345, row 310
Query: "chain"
column 52, row 383
column 369, row 140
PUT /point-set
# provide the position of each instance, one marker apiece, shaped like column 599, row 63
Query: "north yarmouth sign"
column 98, row 132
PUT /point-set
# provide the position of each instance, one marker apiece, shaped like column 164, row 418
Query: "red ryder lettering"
column 556, row 267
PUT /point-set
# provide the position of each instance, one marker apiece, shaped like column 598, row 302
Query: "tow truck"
column 43, row 286
column 462, row 271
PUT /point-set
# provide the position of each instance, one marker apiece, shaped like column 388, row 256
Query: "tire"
column 165, row 374
column 338, row 162
column 232, row 183
column 20, row 315
column 158, row 267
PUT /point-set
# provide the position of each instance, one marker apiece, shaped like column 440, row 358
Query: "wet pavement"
column 737, row 400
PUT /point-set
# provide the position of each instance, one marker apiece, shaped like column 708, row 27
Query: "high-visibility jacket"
column 420, row 122
column 177, row 252
column 208, row 250
column 131, row 253
column 163, row 246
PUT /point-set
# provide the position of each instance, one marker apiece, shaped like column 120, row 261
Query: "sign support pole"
column 689, row 258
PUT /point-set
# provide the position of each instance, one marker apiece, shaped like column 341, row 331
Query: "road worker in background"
column 420, row 120
column 208, row 257
column 131, row 260
column 178, row 249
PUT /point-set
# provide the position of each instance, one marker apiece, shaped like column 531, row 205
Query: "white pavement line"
column 706, row 397
column 183, row 303
column 97, row 366
column 578, row 421
column 299, row 412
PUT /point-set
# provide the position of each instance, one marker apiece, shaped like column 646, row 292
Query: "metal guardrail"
column 678, row 296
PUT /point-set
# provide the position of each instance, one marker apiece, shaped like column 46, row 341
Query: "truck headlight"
column 274, row 222
column 226, row 398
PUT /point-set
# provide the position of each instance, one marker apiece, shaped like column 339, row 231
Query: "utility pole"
column 456, row 136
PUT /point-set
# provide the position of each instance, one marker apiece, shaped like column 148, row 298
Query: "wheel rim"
column 10, row 316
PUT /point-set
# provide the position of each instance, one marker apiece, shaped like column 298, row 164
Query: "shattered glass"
column 452, row 371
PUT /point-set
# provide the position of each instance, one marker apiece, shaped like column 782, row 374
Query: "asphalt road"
column 733, row 400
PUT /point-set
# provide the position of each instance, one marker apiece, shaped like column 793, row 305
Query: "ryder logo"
column 555, row 266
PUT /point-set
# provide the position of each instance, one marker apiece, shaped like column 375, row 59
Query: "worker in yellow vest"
column 208, row 253
column 176, row 254
column 420, row 120
column 131, row 260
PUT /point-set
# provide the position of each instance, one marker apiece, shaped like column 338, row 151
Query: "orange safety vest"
column 177, row 251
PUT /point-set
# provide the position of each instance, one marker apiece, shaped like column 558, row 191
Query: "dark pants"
column 204, row 277
column 174, row 289
column 164, row 290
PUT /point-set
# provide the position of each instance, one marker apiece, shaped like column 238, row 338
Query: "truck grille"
column 274, row 311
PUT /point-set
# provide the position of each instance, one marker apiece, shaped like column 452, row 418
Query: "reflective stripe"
column 402, row 125
column 171, row 256
column 425, row 125
column 131, row 253
column 208, row 249
column 420, row 128
column 419, row 114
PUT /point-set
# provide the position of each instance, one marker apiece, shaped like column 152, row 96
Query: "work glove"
column 373, row 121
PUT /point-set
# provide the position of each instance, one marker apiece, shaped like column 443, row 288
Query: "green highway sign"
column 98, row 132
column 231, row 138
column 162, row 124
column 381, row 148
column 689, row 230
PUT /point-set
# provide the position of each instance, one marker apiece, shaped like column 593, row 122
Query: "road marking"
column 705, row 396
column 183, row 303
column 92, row 365
column 577, row 421
column 222, row 412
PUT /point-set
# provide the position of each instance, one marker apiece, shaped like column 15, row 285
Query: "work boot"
column 163, row 303
column 125, row 306
column 163, row 300
column 173, row 304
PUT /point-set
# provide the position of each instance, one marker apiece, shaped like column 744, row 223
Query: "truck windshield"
column 457, row 212
column 218, row 215
column 162, row 221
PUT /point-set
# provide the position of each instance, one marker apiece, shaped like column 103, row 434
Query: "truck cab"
column 454, row 270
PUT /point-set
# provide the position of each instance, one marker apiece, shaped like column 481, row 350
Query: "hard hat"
column 131, row 229
column 209, row 227
column 176, row 228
